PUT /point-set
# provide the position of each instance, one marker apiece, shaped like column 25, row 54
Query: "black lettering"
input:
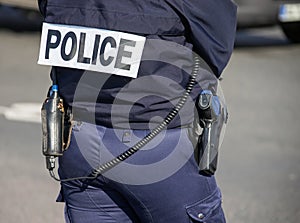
column 49, row 44
column 123, row 53
column 70, row 56
column 96, row 49
column 81, row 58
column 113, row 44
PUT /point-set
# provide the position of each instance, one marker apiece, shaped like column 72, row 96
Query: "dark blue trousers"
column 158, row 184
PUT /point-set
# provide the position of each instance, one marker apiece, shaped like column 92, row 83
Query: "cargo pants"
column 149, row 187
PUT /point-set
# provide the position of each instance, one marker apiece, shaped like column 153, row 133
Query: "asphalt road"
column 259, row 169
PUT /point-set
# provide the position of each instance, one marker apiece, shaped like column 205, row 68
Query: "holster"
column 212, row 116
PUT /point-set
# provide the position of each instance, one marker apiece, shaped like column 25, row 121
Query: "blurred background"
column 259, row 165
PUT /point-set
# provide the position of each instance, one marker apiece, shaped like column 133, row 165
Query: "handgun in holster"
column 212, row 117
column 56, row 125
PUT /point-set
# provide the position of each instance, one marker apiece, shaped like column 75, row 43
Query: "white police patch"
column 91, row 49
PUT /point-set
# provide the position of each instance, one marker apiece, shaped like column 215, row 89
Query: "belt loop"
column 127, row 134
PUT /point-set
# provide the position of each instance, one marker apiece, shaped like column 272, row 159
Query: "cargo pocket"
column 208, row 210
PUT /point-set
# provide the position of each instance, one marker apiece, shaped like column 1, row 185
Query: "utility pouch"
column 56, row 125
column 52, row 125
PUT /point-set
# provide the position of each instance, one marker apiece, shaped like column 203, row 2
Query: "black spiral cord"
column 132, row 150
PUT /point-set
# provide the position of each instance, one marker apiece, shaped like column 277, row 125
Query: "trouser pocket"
column 208, row 210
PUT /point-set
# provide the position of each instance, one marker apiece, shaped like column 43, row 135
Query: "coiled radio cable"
column 153, row 133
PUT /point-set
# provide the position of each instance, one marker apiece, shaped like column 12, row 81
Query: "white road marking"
column 25, row 112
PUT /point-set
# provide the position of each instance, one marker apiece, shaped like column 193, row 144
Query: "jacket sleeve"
column 42, row 7
column 210, row 27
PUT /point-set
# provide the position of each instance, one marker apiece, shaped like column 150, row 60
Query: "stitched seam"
column 100, row 208
column 142, row 204
column 203, row 200
column 68, row 214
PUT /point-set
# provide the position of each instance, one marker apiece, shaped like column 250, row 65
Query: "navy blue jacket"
column 205, row 26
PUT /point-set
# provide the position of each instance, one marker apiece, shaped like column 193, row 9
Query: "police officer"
column 121, row 67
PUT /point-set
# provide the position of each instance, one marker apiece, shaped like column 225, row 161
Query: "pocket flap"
column 203, row 210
